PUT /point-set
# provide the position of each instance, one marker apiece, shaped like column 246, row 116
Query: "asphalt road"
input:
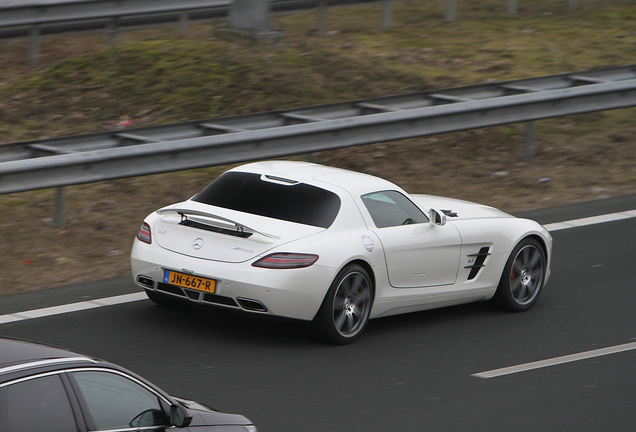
column 406, row 373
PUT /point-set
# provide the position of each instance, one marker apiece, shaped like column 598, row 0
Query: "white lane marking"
column 72, row 307
column 572, row 357
column 590, row 220
column 56, row 310
column 556, row 361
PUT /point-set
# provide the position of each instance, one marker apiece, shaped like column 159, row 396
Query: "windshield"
column 293, row 202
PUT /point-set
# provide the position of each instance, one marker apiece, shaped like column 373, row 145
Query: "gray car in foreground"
column 48, row 389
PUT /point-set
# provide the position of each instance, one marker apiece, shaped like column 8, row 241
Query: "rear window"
column 293, row 202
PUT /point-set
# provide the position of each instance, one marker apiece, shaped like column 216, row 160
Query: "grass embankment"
column 158, row 75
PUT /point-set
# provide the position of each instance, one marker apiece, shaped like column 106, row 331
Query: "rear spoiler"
column 239, row 226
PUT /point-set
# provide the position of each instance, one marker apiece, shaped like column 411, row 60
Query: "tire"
column 523, row 277
column 345, row 311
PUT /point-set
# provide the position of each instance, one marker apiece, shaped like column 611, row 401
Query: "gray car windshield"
column 289, row 201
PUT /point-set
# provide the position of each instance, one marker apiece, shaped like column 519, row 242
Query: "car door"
column 418, row 252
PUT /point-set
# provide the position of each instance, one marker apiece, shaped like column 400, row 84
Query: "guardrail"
column 134, row 152
column 48, row 13
column 33, row 20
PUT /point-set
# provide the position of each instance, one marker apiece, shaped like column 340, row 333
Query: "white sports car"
column 311, row 242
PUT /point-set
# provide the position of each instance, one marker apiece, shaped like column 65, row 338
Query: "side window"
column 39, row 404
column 391, row 208
column 116, row 402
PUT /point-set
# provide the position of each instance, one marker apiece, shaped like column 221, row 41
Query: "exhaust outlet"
column 251, row 305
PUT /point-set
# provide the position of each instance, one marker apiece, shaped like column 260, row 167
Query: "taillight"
column 144, row 233
column 286, row 261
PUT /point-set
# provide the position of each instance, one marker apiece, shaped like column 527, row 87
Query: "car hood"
column 457, row 209
column 228, row 245
column 205, row 416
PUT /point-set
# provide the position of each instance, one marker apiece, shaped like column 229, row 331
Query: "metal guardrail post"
column 386, row 14
column 58, row 217
column 249, row 15
column 322, row 12
column 528, row 146
column 183, row 21
column 34, row 48
column 512, row 7
column 450, row 10
column 112, row 31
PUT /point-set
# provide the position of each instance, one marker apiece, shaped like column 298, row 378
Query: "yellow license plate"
column 188, row 281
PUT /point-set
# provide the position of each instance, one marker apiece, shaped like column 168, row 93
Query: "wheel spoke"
column 339, row 320
column 536, row 273
column 344, row 289
column 517, row 288
column 536, row 257
column 349, row 323
column 524, row 256
column 530, row 289
column 356, row 284
column 363, row 296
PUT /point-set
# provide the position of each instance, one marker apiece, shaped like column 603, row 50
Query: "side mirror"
column 179, row 416
column 437, row 217
column 149, row 417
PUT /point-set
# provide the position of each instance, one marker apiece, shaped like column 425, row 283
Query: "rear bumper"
column 290, row 293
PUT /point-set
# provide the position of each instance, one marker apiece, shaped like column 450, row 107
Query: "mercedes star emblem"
column 197, row 244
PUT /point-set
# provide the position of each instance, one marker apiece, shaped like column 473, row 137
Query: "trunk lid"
column 213, row 233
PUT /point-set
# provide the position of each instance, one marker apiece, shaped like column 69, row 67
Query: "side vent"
column 480, row 257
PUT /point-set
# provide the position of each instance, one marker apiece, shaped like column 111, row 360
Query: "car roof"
column 16, row 352
column 319, row 175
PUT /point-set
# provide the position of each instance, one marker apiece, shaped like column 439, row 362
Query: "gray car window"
column 116, row 402
column 391, row 208
column 39, row 404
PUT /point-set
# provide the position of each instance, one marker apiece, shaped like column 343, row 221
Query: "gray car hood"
column 205, row 416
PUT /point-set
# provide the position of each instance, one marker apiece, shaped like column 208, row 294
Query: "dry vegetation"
column 159, row 75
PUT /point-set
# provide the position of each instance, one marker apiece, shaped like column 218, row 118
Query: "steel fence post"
column 450, row 10
column 58, row 217
column 512, row 7
column 34, row 48
column 386, row 14
column 249, row 15
column 183, row 21
column 321, row 18
column 528, row 147
column 112, row 31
